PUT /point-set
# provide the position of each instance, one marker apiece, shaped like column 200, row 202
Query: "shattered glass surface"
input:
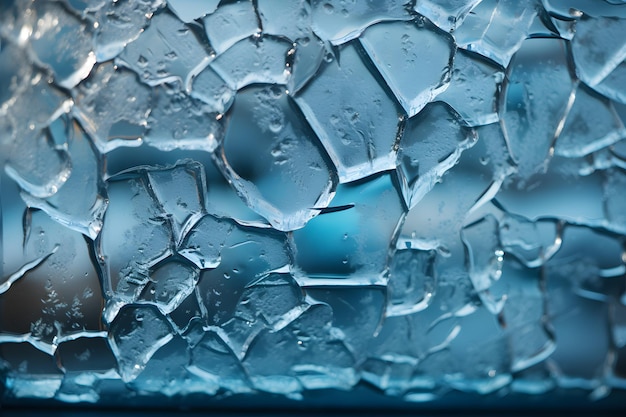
column 320, row 202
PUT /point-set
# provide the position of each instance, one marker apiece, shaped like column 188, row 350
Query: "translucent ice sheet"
column 390, row 205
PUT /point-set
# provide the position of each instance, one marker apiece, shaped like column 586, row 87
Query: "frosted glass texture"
column 395, row 203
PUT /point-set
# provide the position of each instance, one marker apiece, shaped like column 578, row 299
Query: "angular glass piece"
column 136, row 245
column 355, row 331
column 216, row 365
column 289, row 19
column 310, row 53
column 28, row 153
column 531, row 243
column 245, row 256
column 119, row 23
column 190, row 10
column 108, row 114
column 213, row 90
column 412, row 281
column 358, row 127
column 496, row 28
column 84, row 214
column 604, row 69
column 489, row 157
column 178, row 121
column 598, row 47
column 167, row 51
column 187, row 313
column 473, row 89
column 558, row 197
column 230, row 23
column 170, row 283
column 223, row 201
column 422, row 62
column 431, row 144
column 136, row 334
column 340, row 21
column 531, row 126
column 254, row 60
column 240, row 332
column 348, row 243
column 59, row 308
column 485, row 256
column 284, row 173
column 33, row 161
column 446, row 14
column 166, row 367
column 326, row 364
column 62, row 42
column 591, row 124
column 275, row 300
column 526, row 320
column 435, row 222
column 204, row 242
column 180, row 191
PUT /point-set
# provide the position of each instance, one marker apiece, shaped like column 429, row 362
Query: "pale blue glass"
column 400, row 205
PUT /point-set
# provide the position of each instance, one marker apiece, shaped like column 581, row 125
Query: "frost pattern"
column 203, row 199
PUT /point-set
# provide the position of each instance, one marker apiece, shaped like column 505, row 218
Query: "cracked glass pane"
column 331, row 205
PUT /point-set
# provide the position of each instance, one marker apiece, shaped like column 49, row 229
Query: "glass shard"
column 84, row 214
column 254, row 60
column 178, row 121
column 448, row 14
column 166, row 51
column 118, row 23
column 136, row 334
column 539, row 69
column 62, row 42
column 359, row 138
column 135, row 246
column 599, row 53
column 341, row 21
column 496, row 28
column 308, row 57
column 180, row 191
column 213, row 90
column 190, row 10
column 424, row 60
column 284, row 173
column 591, row 124
column 230, row 23
column 431, row 144
column 111, row 125
column 170, row 283
column 473, row 89
column 412, row 281
column 350, row 244
column 288, row 19
column 58, row 308
column 245, row 256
